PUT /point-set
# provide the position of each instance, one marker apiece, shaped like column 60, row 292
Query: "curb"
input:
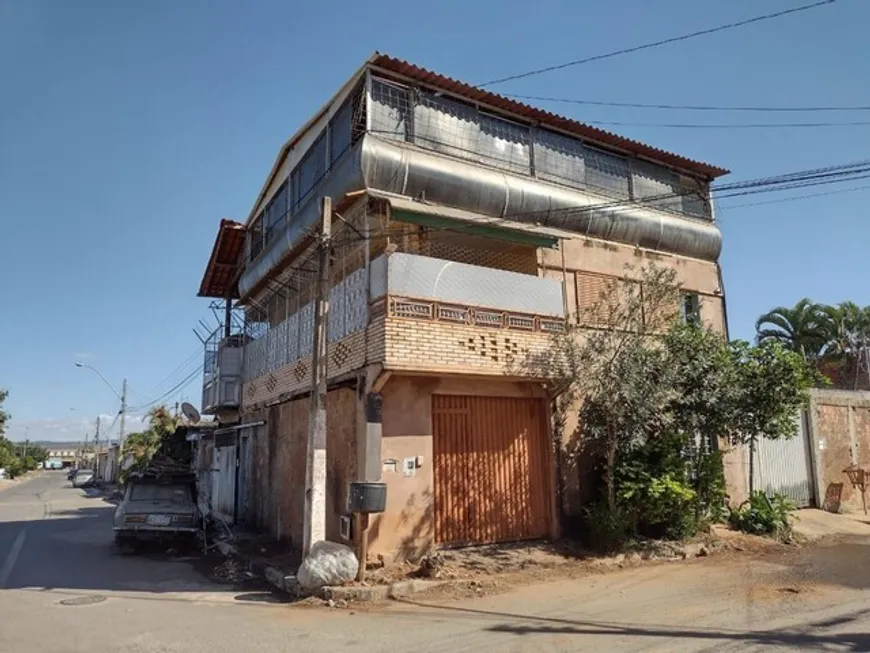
column 275, row 576
column 288, row 584
column 397, row 590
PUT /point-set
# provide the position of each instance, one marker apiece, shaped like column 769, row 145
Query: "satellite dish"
column 190, row 412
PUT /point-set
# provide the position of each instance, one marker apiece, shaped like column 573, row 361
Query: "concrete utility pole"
column 97, row 448
column 314, row 529
column 123, row 412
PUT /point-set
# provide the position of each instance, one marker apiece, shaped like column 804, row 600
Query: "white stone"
column 328, row 564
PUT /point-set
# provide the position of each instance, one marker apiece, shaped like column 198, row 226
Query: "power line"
column 655, row 44
column 738, row 125
column 178, row 387
column 191, row 358
column 693, row 107
column 795, row 198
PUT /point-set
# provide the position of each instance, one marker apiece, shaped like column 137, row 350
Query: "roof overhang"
column 221, row 278
column 412, row 72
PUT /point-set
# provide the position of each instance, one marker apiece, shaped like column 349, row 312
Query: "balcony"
column 222, row 373
column 410, row 312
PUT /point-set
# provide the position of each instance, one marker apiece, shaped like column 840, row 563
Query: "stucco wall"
column 606, row 258
column 276, row 499
column 406, row 529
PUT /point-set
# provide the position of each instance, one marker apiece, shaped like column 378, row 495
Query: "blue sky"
column 127, row 130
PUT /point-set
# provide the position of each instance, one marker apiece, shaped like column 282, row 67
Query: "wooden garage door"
column 492, row 469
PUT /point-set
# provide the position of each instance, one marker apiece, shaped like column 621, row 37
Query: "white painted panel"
column 784, row 467
column 424, row 277
column 223, row 493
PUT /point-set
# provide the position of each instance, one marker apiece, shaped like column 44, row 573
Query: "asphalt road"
column 64, row 589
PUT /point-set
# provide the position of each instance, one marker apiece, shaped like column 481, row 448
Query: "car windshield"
column 173, row 493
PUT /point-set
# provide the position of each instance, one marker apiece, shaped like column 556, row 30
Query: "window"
column 603, row 300
column 340, row 132
column 606, row 171
column 255, row 237
column 694, row 197
column 691, row 310
column 276, row 211
column 389, row 111
column 559, row 158
column 172, row 493
column 312, row 167
column 656, row 185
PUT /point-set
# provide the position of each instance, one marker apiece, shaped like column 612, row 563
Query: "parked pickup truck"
column 161, row 508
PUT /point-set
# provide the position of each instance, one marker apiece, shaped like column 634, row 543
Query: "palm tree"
column 845, row 327
column 799, row 329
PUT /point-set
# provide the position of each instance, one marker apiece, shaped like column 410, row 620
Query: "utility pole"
column 123, row 412
column 97, row 449
column 314, row 529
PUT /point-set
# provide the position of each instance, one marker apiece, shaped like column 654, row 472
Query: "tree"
column 835, row 337
column 799, row 329
column 4, row 416
column 845, row 328
column 656, row 397
column 621, row 382
column 772, row 386
column 141, row 447
column 39, row 454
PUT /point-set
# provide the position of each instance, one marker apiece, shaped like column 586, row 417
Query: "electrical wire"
column 655, row 44
column 174, row 374
column 737, row 125
column 795, row 198
column 693, row 107
column 178, row 387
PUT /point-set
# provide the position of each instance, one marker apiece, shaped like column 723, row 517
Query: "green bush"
column 709, row 482
column 607, row 530
column 654, row 487
column 763, row 515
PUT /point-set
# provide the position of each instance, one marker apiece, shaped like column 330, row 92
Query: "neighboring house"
column 468, row 228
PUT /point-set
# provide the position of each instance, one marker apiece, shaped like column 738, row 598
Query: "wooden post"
column 314, row 529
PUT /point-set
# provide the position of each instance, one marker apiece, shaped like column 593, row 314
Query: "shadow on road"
column 807, row 637
column 74, row 549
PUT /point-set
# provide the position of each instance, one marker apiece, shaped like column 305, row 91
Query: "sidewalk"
column 815, row 524
column 10, row 482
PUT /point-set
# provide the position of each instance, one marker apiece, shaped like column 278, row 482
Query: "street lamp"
column 122, row 396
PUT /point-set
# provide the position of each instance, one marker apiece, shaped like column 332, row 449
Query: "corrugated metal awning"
column 445, row 217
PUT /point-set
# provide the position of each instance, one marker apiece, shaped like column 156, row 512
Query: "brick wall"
column 840, row 428
column 424, row 345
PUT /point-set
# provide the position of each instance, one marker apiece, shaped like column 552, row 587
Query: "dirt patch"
column 266, row 551
column 493, row 569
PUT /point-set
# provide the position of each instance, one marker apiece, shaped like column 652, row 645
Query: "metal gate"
column 223, row 489
column 492, row 469
column 785, row 466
